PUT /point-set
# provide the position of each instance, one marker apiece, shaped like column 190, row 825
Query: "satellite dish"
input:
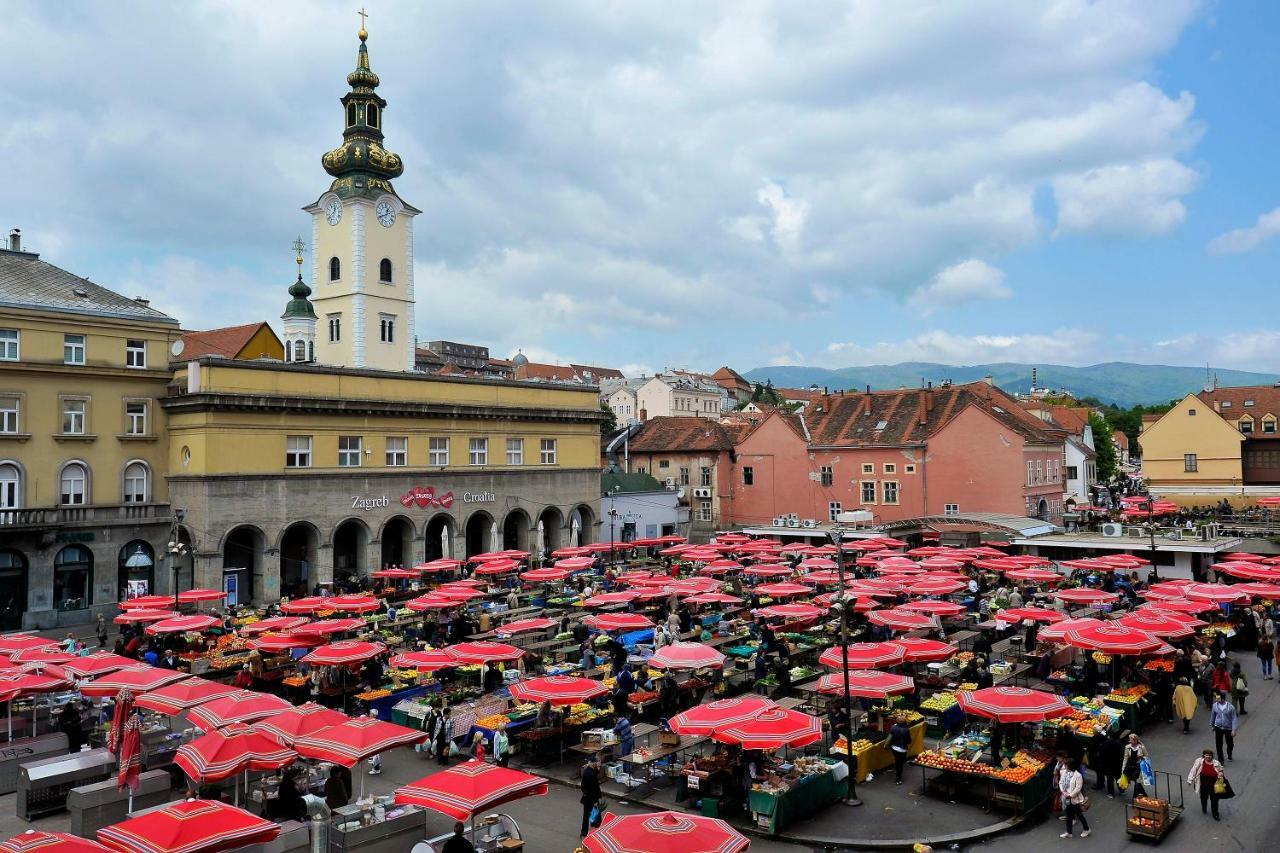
column 680, row 493
column 178, row 347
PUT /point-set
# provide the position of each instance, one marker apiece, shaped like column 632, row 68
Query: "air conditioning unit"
column 808, row 524
column 1208, row 533
column 1113, row 530
column 792, row 521
column 1175, row 534
column 702, row 492
column 794, row 517
column 780, row 521
column 670, row 482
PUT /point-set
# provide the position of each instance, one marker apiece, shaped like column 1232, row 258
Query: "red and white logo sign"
column 425, row 496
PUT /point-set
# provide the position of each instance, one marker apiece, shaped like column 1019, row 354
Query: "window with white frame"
column 704, row 476
column 135, row 418
column 438, row 451
column 951, row 509
column 349, row 450
column 73, row 349
column 9, row 340
column 828, row 475
column 890, row 468
column 684, row 476
column 1246, row 426
column 704, row 510
column 10, row 413
column 889, row 488
column 833, row 510
column 10, row 486
column 397, row 451
column 1190, row 462
column 515, row 451
column 135, row 353
column 297, row 453
column 868, row 491
column 387, row 329
column 1031, row 472
column 74, row 484
column 868, row 468
column 335, row 328
column 547, row 453
column 478, row 451
column 1269, row 425
column 135, row 483
column 1039, row 471
column 73, row 416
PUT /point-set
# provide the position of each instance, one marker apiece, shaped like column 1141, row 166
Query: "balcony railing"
column 93, row 514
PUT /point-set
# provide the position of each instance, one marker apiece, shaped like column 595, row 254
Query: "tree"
column 1105, row 447
column 609, row 425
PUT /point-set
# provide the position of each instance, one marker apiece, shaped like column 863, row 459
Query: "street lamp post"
column 1151, row 535
column 837, row 537
column 176, row 550
column 613, row 515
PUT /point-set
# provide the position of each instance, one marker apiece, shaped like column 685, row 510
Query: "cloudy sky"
column 652, row 184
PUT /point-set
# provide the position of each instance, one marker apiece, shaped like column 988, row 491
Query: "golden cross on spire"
column 363, row 15
column 298, row 247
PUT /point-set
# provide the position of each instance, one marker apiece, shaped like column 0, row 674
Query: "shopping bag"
column 1145, row 774
column 1123, row 782
column 597, row 812
column 1220, row 786
column 1085, row 803
column 1228, row 792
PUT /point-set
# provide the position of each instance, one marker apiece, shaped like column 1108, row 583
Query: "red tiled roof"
column 804, row 394
column 1262, row 400
column 1071, row 418
column 566, row 372
column 911, row 416
column 672, row 435
column 226, row 342
column 1120, row 440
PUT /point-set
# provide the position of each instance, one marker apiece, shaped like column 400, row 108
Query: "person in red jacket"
column 1220, row 680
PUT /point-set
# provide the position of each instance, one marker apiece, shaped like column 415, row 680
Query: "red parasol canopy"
column 1013, row 704
column 720, row 567
column 687, row 656
column 442, row 565
column 46, row 656
column 355, row 740
column 182, row 695
column 143, row 614
column 139, row 679
column 934, row 586
column 937, row 608
column 1249, row 571
column 864, row 656
column 130, row 757
column 497, row 567
column 574, row 564
column 1085, row 595
column 284, row 642
column 1167, row 626
column 1031, row 575
column 39, row 841
column 522, row 626
column 98, row 663
column 1035, row 614
column 557, row 689
column 546, row 575
column 20, row 642
column 470, row 787
column 428, row 661
column 433, row 601
column 706, row 718
column 227, row 752
column 395, row 574
column 279, row 623
column 901, row 620
column 193, row 595
column 148, row 602
column 790, row 611
column 193, row 826
column 1113, row 638
column 918, row 649
column 344, row 653
column 243, row 706
column 308, row 604
column 784, row 589
column 713, row 598
column 618, row 621
column 605, row 599
column 1259, row 590
column 1215, row 592
column 772, row 728
column 484, row 651
column 867, row 683
column 671, row 832
column 328, row 627
column 183, row 624
column 353, row 603
column 306, row 719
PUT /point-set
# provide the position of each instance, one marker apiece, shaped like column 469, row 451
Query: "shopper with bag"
column 1225, row 724
column 1206, row 776
column 1184, row 704
column 1071, row 787
column 1239, row 688
column 590, row 788
column 1266, row 656
column 1135, row 752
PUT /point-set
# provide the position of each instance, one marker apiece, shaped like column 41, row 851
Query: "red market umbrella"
column 353, row 741
column 193, row 826
column 1259, row 590
column 39, row 841
column 432, row 601
column 148, row 602
column 790, row 611
column 937, row 608
column 557, row 689
column 182, row 695
column 284, row 642
column 427, row 661
column 693, row 586
column 918, row 649
column 328, row 627
column 219, row 754
column 784, row 589
column 1031, row 575
column 1113, row 638
column 934, row 586
column 497, row 567
column 395, row 574
column 143, row 614
column 571, row 551
column 720, row 567
column 574, row 564
column 20, row 642
column 815, row 564
column 307, row 605
column 1248, row 571
column 274, row 625
column 306, row 719
column 183, row 624
column 1013, row 704
column 1058, row 630
column 1035, row 614
column 483, row 652
column 713, row 598
column 195, row 595
column 772, row 728
column 45, row 656
column 706, row 718
column 139, row 679
column 546, row 575
column 120, row 715
column 867, row 683
column 471, row 787
column 1085, row 595
column 687, row 656
column 901, row 620
column 130, row 757
column 353, row 603
column 768, row 571
column 671, row 832
column 618, row 621
column 344, row 653
column 864, row 656
column 523, row 626
column 1165, row 626
column 243, row 706
column 605, row 599
column 1126, row 561
column 821, row 577
column 1215, row 592
column 98, row 663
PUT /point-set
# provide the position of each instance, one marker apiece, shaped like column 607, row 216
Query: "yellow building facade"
column 1192, row 455
column 83, row 444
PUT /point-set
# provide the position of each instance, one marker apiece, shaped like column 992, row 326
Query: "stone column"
column 322, row 571
column 372, row 556
column 208, row 570
column 271, row 576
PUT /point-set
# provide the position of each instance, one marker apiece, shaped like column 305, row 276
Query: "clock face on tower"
column 333, row 211
column 386, row 214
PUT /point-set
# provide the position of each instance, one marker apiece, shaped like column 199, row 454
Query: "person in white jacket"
column 1071, row 786
column 1204, row 777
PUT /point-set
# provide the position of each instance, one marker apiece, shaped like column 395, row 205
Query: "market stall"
column 800, row 789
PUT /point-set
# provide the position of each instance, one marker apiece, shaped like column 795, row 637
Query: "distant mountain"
column 1115, row 382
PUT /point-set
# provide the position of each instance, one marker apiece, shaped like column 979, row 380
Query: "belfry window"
column 371, row 115
column 335, row 269
column 384, row 270
column 351, row 115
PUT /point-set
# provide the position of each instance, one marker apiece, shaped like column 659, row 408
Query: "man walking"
column 1225, row 724
column 590, row 792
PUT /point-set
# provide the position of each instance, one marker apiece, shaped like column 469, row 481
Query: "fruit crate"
column 1155, row 815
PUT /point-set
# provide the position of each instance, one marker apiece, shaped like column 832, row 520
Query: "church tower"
column 362, row 241
column 299, row 319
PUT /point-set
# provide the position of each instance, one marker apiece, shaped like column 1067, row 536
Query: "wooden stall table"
column 775, row 812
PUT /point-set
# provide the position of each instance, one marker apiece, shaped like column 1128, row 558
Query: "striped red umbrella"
column 328, row 627
column 1249, row 571
column 1113, row 638
column 713, row 598
column 720, row 567
column 98, row 663
column 469, row 788
column 864, row 656
column 147, row 602
column 284, row 642
column 344, row 653
column 395, row 574
column 243, row 706
column 673, row 832
column 138, row 679
column 306, row 719
column 1031, row 575
column 193, row 826
column 933, row 606
column 790, row 611
column 772, row 728
column 902, row 620
column 192, row 596
column 687, row 656
column 1215, row 592
column 934, row 586
column 1058, row 630
column 432, row 601
column 618, row 621
column 427, row 661
column 457, row 593
column 1165, row 625
column 497, row 567
column 227, row 752
column 546, row 575
column 441, row 565
column 574, row 564
column 43, row 656
column 1013, row 704
column 353, row 741
column 918, row 649
column 39, row 841
column 705, row 718
column 307, row 605
column 1085, row 595
column 768, row 571
column 274, row 625
column 484, row 651
column 1035, row 614
column 183, row 624
column 143, row 614
column 867, row 683
column 605, row 599
column 784, row 589
column 182, row 695
column 557, row 689
column 523, row 626
column 1256, row 589
column 130, row 757
column 20, row 642
column 353, row 603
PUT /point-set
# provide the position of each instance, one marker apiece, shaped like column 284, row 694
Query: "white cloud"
column 1246, row 349
column 1131, row 199
column 1064, row 346
column 969, row 281
column 1247, row 239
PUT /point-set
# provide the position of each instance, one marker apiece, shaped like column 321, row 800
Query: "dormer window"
column 1226, row 404
column 371, row 115
column 1248, row 404
column 351, row 115
column 335, row 269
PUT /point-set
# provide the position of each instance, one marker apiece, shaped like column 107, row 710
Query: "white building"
column 668, row 395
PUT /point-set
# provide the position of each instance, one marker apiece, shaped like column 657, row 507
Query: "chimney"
column 989, row 379
column 15, row 240
column 644, row 415
column 143, row 301
column 868, row 389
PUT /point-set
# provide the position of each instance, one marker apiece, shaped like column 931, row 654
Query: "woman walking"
column 1204, row 776
column 1239, row 688
column 1184, row 704
column 1071, row 786
column 1266, row 656
column 1135, row 752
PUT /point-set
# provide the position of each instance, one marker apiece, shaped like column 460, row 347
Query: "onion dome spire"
column 300, row 305
column 361, row 166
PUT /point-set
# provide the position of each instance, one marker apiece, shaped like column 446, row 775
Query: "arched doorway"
column 350, row 545
column 438, row 537
column 515, row 531
column 13, row 599
column 479, row 533
column 397, row 542
column 137, row 570
column 547, row 532
column 582, row 525
column 298, row 548
column 242, row 564
column 1042, row 509
column 72, row 578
